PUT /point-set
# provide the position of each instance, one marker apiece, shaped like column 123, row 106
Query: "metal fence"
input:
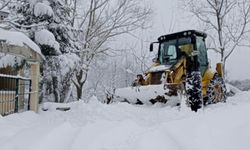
column 14, row 94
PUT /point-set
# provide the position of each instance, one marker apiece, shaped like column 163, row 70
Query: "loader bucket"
column 163, row 93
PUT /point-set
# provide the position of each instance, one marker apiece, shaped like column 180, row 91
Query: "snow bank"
column 19, row 39
column 243, row 85
column 96, row 126
column 232, row 90
column 42, row 9
column 45, row 37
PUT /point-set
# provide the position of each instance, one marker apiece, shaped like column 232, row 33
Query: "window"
column 201, row 47
column 171, row 50
column 168, row 53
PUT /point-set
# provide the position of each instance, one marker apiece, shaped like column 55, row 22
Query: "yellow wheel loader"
column 180, row 68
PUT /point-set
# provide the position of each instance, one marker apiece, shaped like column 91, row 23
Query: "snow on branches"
column 42, row 9
column 49, row 40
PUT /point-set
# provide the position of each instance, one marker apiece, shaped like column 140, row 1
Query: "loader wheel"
column 216, row 91
column 194, row 91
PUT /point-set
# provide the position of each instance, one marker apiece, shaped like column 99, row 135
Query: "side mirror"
column 151, row 48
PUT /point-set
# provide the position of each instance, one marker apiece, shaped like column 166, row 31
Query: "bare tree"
column 226, row 21
column 101, row 22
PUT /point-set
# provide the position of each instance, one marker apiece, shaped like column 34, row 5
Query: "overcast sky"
column 169, row 17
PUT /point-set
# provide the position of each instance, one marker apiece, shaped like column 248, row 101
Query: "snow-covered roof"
column 19, row 39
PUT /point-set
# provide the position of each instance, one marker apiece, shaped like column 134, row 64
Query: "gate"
column 14, row 94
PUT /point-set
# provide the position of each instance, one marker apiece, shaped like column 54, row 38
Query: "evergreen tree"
column 49, row 24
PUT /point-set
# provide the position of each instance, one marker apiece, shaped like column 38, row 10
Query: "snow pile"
column 97, row 126
column 42, row 9
column 19, row 39
column 49, row 40
column 144, row 94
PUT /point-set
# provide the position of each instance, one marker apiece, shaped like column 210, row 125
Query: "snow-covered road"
column 96, row 126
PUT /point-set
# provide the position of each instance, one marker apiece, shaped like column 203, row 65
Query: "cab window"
column 201, row 47
column 171, row 50
column 168, row 52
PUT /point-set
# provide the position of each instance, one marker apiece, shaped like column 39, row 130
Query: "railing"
column 14, row 94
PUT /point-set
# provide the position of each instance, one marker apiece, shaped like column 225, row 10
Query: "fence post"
column 16, row 97
column 30, row 89
column 35, row 73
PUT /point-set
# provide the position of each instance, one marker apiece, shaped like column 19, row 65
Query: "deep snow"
column 96, row 126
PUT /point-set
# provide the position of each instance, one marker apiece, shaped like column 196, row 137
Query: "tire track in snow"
column 60, row 138
column 27, row 137
column 106, row 136
column 15, row 123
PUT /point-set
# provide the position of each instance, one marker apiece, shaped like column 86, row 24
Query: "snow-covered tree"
column 119, row 70
column 101, row 21
column 72, row 34
column 49, row 24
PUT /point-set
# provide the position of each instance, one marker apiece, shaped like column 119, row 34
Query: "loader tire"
column 194, row 91
column 216, row 91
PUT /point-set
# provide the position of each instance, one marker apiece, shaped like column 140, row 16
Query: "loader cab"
column 187, row 43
